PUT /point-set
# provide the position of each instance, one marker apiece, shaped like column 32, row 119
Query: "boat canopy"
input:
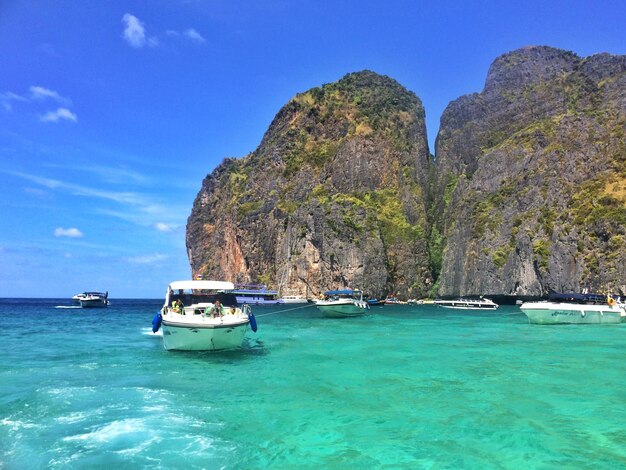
column 342, row 292
column 201, row 285
column 578, row 298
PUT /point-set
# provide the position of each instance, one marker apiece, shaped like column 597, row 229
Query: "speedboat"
column 468, row 304
column 202, row 316
column 342, row 303
column 575, row 308
column 93, row 299
column 255, row 295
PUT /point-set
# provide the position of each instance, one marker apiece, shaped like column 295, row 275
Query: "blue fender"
column 156, row 322
column 252, row 322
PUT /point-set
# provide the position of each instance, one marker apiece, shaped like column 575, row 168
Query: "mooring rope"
column 286, row 310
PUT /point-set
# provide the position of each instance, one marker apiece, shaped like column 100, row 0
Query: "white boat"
column 93, row 299
column 575, row 308
column 200, row 324
column 342, row 303
column 468, row 304
column 253, row 294
column 294, row 299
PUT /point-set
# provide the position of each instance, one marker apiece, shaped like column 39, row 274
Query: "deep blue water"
column 404, row 387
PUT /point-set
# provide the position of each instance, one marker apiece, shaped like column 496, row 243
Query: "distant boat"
column 198, row 322
column 376, row 302
column 253, row 294
column 576, row 308
column 468, row 304
column 294, row 299
column 93, row 299
column 342, row 303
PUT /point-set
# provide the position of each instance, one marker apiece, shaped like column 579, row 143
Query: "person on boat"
column 216, row 310
column 177, row 306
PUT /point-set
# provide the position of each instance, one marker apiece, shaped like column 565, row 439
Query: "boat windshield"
column 189, row 298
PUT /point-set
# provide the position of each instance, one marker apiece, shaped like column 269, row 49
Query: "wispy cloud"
column 38, row 93
column 163, row 227
column 148, row 259
column 41, row 93
column 194, row 36
column 137, row 208
column 135, row 32
column 68, row 232
column 59, row 114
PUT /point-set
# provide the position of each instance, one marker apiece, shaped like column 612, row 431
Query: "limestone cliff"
column 531, row 177
column 334, row 196
column 527, row 192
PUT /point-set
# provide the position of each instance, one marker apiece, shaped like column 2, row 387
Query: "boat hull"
column 94, row 303
column 257, row 300
column 467, row 304
column 338, row 309
column 181, row 337
column 294, row 300
column 546, row 313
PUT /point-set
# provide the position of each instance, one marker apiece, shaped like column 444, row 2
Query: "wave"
column 68, row 306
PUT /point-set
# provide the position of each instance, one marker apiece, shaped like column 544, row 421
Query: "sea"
column 403, row 387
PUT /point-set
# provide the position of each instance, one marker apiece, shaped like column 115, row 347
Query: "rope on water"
column 286, row 310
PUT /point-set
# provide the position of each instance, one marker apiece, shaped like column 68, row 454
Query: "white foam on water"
column 125, row 428
column 74, row 417
column 68, row 306
column 148, row 331
column 17, row 425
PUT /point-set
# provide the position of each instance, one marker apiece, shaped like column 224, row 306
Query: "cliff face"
column 334, row 196
column 531, row 177
column 527, row 193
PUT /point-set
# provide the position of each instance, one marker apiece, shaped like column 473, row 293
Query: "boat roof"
column 201, row 285
column 341, row 292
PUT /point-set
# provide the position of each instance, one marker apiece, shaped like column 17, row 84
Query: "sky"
column 112, row 112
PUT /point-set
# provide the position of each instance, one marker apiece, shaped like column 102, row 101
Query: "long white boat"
column 342, row 303
column 468, row 304
column 294, row 299
column 209, row 318
column 253, row 294
column 575, row 308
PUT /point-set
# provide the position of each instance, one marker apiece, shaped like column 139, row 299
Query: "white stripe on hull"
column 189, row 338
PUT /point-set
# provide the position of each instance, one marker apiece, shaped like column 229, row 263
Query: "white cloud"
column 60, row 113
column 194, row 36
column 68, row 232
column 163, row 227
column 36, row 93
column 7, row 97
column 148, row 259
column 138, row 208
column 135, row 32
column 41, row 93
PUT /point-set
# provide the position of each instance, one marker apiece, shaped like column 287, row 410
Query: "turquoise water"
column 404, row 387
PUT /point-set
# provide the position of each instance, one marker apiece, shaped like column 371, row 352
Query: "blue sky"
column 112, row 112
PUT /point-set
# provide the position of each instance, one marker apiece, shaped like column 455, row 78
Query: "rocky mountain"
column 334, row 196
column 531, row 177
column 526, row 193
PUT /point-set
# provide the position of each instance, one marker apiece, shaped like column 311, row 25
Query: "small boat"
column 468, row 304
column 342, row 303
column 253, row 294
column 575, row 308
column 93, row 299
column 202, row 316
column 376, row 302
column 294, row 299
